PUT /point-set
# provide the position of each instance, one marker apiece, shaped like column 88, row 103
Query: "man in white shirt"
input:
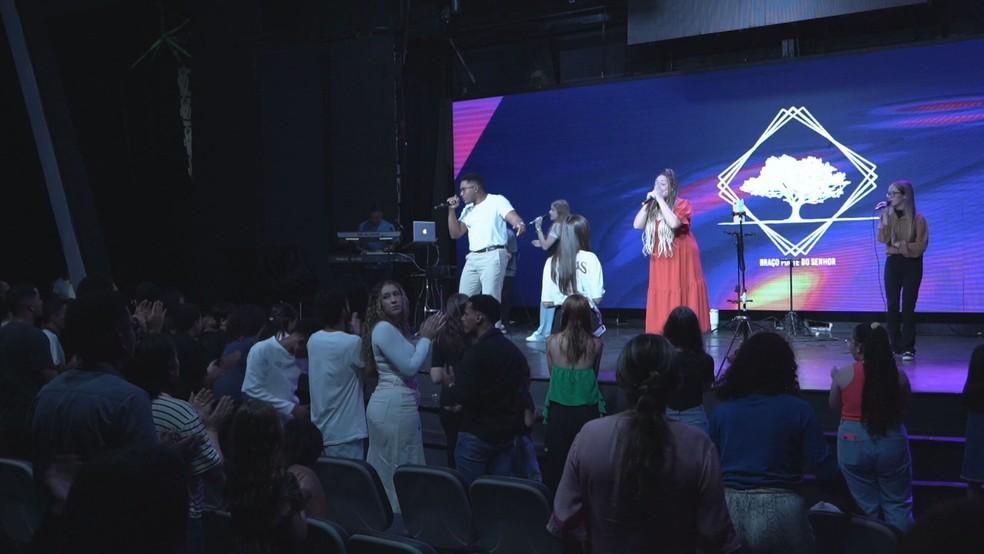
column 53, row 323
column 335, row 373
column 272, row 371
column 484, row 219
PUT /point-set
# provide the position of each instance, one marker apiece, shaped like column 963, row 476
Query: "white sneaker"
column 536, row 337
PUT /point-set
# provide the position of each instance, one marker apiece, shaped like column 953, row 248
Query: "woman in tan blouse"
column 906, row 236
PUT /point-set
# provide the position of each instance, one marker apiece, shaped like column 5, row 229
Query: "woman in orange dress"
column 675, row 274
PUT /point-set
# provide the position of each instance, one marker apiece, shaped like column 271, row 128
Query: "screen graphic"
column 805, row 149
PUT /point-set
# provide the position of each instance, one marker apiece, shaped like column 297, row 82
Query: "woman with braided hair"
column 676, row 277
column 635, row 482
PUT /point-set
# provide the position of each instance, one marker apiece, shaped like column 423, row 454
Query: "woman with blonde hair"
column 676, row 277
column 559, row 212
column 905, row 234
column 390, row 352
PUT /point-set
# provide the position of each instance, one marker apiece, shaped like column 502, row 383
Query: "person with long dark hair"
column 694, row 368
column 573, row 396
column 768, row 437
column 905, row 234
column 390, row 352
column 559, row 210
column 973, row 401
column 872, row 445
column 676, row 277
column 635, row 482
column 448, row 348
column 265, row 500
column 574, row 269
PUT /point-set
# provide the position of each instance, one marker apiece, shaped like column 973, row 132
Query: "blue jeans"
column 475, row 457
column 878, row 470
column 691, row 416
column 770, row 520
column 526, row 465
column 546, row 320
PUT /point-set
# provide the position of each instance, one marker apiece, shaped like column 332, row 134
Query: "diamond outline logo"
column 805, row 245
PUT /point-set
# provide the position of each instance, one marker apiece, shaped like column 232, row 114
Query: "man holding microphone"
column 484, row 219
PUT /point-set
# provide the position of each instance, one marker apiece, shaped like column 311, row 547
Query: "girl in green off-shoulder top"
column 573, row 396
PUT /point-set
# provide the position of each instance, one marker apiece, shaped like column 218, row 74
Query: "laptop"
column 424, row 232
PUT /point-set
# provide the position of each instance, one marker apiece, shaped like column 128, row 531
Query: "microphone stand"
column 742, row 323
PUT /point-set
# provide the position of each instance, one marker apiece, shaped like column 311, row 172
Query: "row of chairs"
column 323, row 537
column 495, row 515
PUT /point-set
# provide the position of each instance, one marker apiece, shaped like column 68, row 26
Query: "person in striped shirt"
column 193, row 426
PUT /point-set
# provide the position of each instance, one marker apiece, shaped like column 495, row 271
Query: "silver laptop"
column 424, row 231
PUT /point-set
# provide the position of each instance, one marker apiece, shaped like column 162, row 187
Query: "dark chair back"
column 356, row 498
column 387, row 544
column 324, row 537
column 435, row 506
column 841, row 533
column 20, row 507
column 510, row 516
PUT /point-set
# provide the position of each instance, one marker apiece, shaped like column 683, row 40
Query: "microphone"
column 881, row 206
column 441, row 205
column 533, row 221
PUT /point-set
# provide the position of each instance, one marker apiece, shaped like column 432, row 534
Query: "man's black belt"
column 488, row 249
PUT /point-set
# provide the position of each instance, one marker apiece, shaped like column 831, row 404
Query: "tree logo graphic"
column 807, row 181
column 799, row 182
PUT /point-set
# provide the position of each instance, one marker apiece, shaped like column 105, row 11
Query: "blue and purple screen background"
column 917, row 113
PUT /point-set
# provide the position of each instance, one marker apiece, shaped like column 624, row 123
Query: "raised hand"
column 201, row 401
column 453, row 202
column 155, row 319
column 220, row 413
column 432, row 325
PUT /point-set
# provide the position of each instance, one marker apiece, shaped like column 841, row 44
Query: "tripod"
column 430, row 295
column 792, row 322
column 742, row 324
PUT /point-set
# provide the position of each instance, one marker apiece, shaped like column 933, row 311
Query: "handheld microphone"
column 881, row 206
column 533, row 221
column 441, row 205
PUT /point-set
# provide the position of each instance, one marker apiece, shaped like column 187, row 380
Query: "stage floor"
column 940, row 365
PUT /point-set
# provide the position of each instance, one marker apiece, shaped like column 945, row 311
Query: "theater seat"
column 435, row 506
column 510, row 516
column 356, row 498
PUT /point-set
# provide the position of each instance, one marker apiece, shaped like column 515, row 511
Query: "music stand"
column 430, row 294
column 742, row 323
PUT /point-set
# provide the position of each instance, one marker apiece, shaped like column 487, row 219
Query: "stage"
column 940, row 365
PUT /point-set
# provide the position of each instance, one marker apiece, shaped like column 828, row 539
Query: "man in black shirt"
column 492, row 385
column 25, row 366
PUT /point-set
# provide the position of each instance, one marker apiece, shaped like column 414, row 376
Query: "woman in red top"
column 872, row 445
column 675, row 274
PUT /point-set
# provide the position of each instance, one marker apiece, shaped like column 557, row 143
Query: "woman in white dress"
column 390, row 351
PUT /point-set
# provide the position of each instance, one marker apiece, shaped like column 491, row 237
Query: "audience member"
column 693, row 366
column 265, row 500
column 335, row 375
column 272, row 371
column 491, row 383
column 973, row 401
column 573, row 396
column 635, row 482
column 388, row 350
column 245, row 323
column 25, row 365
column 186, row 321
column 53, row 324
column 92, row 409
column 96, row 283
column 952, row 527
column 128, row 500
column 767, row 436
column 448, row 348
column 214, row 325
column 156, row 368
column 302, row 447
column 872, row 444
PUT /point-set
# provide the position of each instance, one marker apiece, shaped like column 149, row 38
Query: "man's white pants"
column 484, row 272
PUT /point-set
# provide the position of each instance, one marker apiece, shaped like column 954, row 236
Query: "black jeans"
column 902, row 275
